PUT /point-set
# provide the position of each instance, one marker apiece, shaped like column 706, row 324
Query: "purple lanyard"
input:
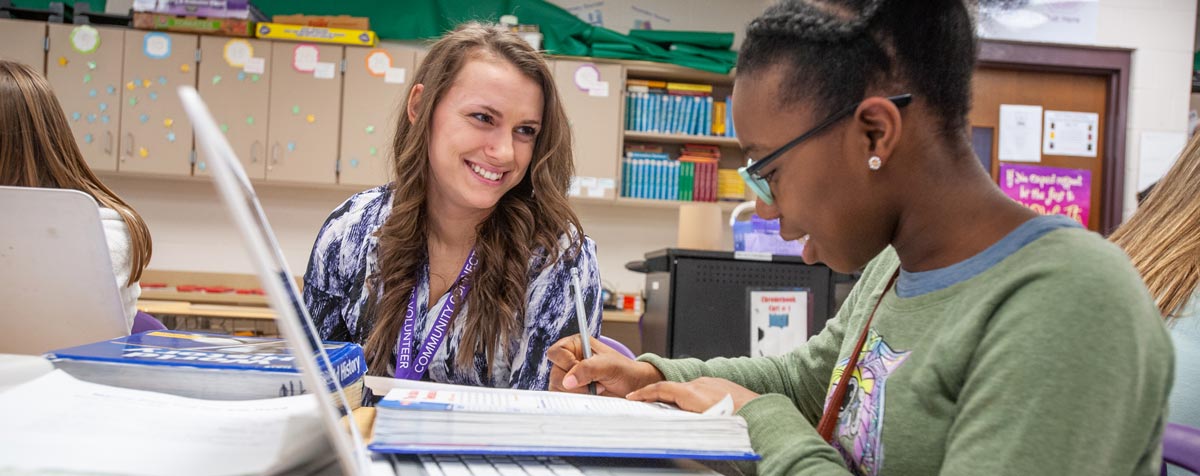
column 409, row 368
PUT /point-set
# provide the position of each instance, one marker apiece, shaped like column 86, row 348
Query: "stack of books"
column 340, row 29
column 674, row 108
column 208, row 366
column 650, row 173
column 467, row 420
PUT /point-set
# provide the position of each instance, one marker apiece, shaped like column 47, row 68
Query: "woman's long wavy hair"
column 1163, row 238
column 528, row 219
column 38, row 150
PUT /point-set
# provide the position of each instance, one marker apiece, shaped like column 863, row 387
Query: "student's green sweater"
column 1053, row 361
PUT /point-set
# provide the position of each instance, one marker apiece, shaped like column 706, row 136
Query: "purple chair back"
column 619, row 347
column 1181, row 447
column 143, row 322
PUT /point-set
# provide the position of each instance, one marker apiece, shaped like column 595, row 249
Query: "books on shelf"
column 467, row 420
column 671, row 108
column 207, row 366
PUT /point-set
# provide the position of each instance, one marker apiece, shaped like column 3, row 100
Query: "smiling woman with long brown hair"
column 459, row 271
column 37, row 150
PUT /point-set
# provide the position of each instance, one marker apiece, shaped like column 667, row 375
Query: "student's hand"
column 695, row 396
column 615, row 374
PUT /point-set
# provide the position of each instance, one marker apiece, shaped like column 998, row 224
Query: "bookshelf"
column 680, row 138
column 674, row 117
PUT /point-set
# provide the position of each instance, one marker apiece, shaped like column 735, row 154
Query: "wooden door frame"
column 1114, row 64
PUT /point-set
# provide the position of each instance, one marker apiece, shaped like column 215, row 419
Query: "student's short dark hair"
column 833, row 51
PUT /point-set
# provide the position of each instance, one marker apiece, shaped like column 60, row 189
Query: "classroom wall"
column 191, row 233
column 1162, row 34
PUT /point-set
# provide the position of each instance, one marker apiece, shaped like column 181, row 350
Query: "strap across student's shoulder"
column 833, row 409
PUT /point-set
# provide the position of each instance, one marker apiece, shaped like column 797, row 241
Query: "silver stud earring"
column 875, row 162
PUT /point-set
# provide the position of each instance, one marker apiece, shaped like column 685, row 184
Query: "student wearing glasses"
column 981, row 339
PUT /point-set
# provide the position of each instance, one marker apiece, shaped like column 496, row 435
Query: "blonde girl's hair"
column 38, row 150
column 1163, row 237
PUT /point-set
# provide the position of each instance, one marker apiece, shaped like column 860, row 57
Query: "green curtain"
column 95, row 5
column 563, row 33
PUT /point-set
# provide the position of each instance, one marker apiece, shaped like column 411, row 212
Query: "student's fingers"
column 564, row 354
column 666, row 392
column 604, row 370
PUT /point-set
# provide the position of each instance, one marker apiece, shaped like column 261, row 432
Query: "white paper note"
column 1157, row 154
column 1020, row 133
column 324, row 71
column 255, row 66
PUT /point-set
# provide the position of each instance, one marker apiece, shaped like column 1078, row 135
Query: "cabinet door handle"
column 108, row 142
column 274, row 156
column 128, row 146
column 254, row 150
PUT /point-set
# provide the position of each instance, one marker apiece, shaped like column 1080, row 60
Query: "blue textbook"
column 436, row 419
column 208, row 366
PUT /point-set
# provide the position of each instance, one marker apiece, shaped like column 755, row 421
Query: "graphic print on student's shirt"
column 860, row 423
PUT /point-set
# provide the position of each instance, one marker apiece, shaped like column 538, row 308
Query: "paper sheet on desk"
column 59, row 424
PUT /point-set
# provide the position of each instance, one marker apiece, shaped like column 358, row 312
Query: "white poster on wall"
column 1071, row 133
column 1046, row 21
column 1020, row 133
column 778, row 321
column 1156, row 155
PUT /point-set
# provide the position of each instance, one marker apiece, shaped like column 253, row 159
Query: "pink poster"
column 1049, row 190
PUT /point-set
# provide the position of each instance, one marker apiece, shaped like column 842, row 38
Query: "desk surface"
column 184, row 308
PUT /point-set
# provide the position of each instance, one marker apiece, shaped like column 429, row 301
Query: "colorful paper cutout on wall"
column 311, row 118
column 103, row 106
column 183, row 68
column 216, row 79
column 112, row 89
column 92, row 93
column 171, row 137
column 91, row 118
column 62, row 61
column 162, row 80
column 237, row 51
column 91, row 65
column 156, row 45
column 168, row 122
column 143, row 152
column 104, row 119
column 87, row 78
column 305, row 58
column 75, row 116
column 370, row 129
column 85, row 39
column 87, row 138
column 378, row 62
column 144, row 118
column 354, row 163
column 291, row 146
column 153, row 96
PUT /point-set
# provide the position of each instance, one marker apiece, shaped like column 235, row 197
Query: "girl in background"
column 38, row 150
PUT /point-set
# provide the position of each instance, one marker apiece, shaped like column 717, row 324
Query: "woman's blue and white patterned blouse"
column 344, row 258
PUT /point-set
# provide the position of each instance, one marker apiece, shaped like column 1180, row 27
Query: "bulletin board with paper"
column 1048, row 136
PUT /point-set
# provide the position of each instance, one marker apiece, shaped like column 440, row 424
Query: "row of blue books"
column 675, row 114
column 656, row 176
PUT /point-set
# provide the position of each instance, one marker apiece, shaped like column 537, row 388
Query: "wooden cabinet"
column 24, row 42
column 156, row 136
column 592, row 94
column 371, row 101
column 237, row 92
column 305, row 111
column 85, row 69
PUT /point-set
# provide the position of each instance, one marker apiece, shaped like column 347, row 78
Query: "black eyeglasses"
column 750, row 173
